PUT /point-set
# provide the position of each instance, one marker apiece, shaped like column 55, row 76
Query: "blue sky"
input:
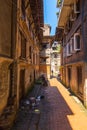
column 50, row 14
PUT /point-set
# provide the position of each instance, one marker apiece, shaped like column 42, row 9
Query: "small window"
column 77, row 45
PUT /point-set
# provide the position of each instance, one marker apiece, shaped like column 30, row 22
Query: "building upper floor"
column 71, row 30
column 20, row 27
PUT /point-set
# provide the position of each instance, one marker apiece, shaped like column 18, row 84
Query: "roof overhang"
column 65, row 12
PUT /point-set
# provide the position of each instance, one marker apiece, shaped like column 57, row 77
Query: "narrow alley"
column 58, row 110
column 43, row 65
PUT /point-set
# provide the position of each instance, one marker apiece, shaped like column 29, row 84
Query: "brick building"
column 72, row 34
column 20, row 37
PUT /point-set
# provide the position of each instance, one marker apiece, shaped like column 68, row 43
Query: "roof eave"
column 65, row 12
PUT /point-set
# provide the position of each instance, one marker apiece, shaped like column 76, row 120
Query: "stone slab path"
column 58, row 110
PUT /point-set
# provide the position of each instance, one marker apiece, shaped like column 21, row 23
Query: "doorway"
column 79, row 79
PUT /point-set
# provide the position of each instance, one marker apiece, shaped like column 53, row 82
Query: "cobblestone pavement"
column 58, row 111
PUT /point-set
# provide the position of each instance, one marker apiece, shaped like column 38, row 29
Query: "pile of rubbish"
column 31, row 103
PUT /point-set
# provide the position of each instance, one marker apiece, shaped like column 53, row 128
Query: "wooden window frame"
column 76, row 42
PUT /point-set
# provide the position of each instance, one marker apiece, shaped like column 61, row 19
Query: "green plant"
column 59, row 2
column 58, row 48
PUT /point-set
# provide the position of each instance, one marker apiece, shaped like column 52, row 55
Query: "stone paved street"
column 59, row 110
